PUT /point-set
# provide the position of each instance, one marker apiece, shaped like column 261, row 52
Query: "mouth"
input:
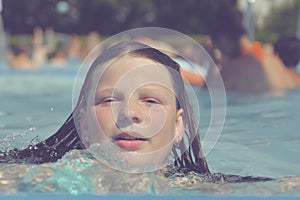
column 130, row 141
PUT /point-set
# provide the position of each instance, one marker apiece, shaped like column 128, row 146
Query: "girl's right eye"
column 106, row 101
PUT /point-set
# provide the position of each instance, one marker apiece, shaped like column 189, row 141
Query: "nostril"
column 135, row 119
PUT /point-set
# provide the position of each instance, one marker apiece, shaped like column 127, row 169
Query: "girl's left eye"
column 109, row 100
column 151, row 101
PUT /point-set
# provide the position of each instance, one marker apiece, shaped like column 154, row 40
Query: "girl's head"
column 133, row 105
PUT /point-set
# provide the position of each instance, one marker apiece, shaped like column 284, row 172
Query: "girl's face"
column 136, row 108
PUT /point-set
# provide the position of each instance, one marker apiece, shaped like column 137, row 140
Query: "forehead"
column 135, row 72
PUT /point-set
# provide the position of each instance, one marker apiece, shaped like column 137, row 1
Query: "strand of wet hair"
column 54, row 147
column 196, row 159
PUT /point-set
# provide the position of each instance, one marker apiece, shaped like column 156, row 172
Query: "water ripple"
column 78, row 173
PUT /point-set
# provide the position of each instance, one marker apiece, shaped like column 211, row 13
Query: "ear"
column 179, row 127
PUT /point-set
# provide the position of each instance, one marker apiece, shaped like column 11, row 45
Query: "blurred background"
column 271, row 18
column 66, row 29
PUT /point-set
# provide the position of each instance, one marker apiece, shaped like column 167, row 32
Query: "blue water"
column 298, row 68
column 260, row 138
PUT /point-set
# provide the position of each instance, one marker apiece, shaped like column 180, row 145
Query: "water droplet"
column 32, row 129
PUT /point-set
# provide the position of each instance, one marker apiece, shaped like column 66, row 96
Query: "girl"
column 138, row 108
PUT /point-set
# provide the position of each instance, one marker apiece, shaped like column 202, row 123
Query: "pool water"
column 260, row 138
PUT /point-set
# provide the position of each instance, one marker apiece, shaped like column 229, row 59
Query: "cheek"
column 158, row 116
column 159, row 124
column 104, row 118
column 164, row 123
column 169, row 131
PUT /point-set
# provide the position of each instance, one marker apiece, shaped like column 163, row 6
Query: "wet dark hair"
column 288, row 49
column 67, row 137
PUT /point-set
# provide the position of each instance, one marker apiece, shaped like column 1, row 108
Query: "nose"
column 130, row 112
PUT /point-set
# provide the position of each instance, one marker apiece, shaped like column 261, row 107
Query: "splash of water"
column 78, row 173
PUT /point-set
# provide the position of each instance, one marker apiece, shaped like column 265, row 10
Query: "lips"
column 130, row 140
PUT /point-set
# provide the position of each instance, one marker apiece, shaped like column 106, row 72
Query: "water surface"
column 260, row 138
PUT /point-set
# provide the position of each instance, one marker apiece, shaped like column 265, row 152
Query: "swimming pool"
column 260, row 138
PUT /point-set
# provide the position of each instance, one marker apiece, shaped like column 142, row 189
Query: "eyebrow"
column 152, row 88
column 107, row 91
